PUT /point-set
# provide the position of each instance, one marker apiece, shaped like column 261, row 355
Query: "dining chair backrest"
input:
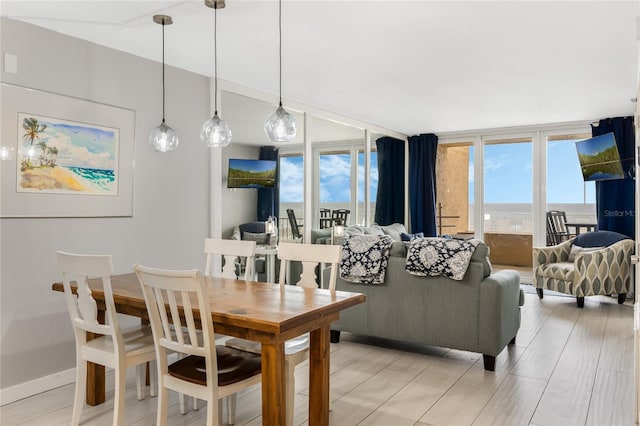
column 295, row 229
column 231, row 250
column 83, row 309
column 325, row 213
column 556, row 229
column 340, row 214
column 175, row 301
column 310, row 255
column 326, row 222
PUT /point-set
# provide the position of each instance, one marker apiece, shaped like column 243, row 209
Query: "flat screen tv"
column 599, row 158
column 251, row 173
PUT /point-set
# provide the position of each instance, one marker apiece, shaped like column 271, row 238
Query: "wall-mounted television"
column 599, row 158
column 251, row 173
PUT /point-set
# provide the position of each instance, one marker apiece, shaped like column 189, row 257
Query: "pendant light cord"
column 163, row 87
column 280, row 44
column 215, row 57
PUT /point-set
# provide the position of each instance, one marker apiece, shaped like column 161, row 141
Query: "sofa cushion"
column 481, row 254
column 354, row 230
column 562, row 271
column 394, row 230
column 259, row 238
column 236, row 234
column 408, row 237
column 577, row 249
column 598, row 239
column 319, row 236
column 398, row 249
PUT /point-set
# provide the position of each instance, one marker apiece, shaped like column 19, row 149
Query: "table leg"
column 271, row 267
column 96, row 373
column 319, row 377
column 273, row 383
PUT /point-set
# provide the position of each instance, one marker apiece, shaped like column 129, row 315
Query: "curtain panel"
column 269, row 198
column 422, row 183
column 390, row 196
column 615, row 199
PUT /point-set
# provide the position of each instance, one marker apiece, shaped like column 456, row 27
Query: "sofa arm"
column 499, row 318
column 612, row 263
column 551, row 254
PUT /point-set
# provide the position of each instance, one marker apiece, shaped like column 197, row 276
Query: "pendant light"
column 215, row 133
column 163, row 138
column 280, row 126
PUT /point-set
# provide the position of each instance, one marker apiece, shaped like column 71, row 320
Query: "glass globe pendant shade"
column 163, row 138
column 280, row 126
column 215, row 133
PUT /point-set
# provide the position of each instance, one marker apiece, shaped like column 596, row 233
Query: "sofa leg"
column 621, row 298
column 513, row 341
column 580, row 301
column 540, row 293
column 335, row 336
column 489, row 362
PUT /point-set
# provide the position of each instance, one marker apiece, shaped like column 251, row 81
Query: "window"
column 291, row 192
column 566, row 190
column 373, row 186
column 508, row 186
column 335, row 180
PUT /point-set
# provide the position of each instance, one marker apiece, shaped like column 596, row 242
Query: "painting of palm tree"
column 61, row 156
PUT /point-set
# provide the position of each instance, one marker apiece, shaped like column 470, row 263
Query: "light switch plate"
column 10, row 63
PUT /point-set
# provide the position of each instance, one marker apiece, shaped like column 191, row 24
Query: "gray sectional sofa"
column 481, row 313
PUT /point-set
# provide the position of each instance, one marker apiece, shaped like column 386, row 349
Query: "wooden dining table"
column 267, row 313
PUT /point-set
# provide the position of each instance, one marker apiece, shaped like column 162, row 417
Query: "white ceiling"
column 409, row 66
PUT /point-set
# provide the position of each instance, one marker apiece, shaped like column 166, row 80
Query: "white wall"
column 238, row 205
column 171, row 193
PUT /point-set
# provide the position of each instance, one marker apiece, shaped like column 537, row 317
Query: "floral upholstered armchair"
column 593, row 263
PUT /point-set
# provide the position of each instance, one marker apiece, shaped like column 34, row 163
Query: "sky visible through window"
column 508, row 176
column 335, row 178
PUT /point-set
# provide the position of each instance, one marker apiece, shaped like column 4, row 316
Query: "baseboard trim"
column 36, row 386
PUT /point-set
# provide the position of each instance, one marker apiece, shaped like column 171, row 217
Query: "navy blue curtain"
column 615, row 199
column 390, row 197
column 269, row 198
column 422, row 183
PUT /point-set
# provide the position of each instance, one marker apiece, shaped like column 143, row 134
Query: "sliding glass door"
column 508, row 199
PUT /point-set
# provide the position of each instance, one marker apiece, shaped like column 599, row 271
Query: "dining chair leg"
column 120, row 393
column 140, row 375
column 163, row 405
column 220, row 411
column 81, row 389
column 183, row 408
column 213, row 414
column 153, row 378
column 231, row 409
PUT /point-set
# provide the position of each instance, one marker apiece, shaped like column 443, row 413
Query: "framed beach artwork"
column 73, row 157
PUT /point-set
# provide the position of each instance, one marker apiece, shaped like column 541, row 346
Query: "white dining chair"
column 232, row 251
column 175, row 301
column 297, row 349
column 117, row 349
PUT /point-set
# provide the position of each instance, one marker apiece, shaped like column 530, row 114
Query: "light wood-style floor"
column 569, row 366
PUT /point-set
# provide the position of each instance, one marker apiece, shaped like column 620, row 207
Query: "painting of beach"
column 61, row 156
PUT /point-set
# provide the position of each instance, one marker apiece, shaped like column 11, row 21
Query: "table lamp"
column 271, row 229
column 337, row 230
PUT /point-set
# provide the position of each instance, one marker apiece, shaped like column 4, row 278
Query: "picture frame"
column 64, row 156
